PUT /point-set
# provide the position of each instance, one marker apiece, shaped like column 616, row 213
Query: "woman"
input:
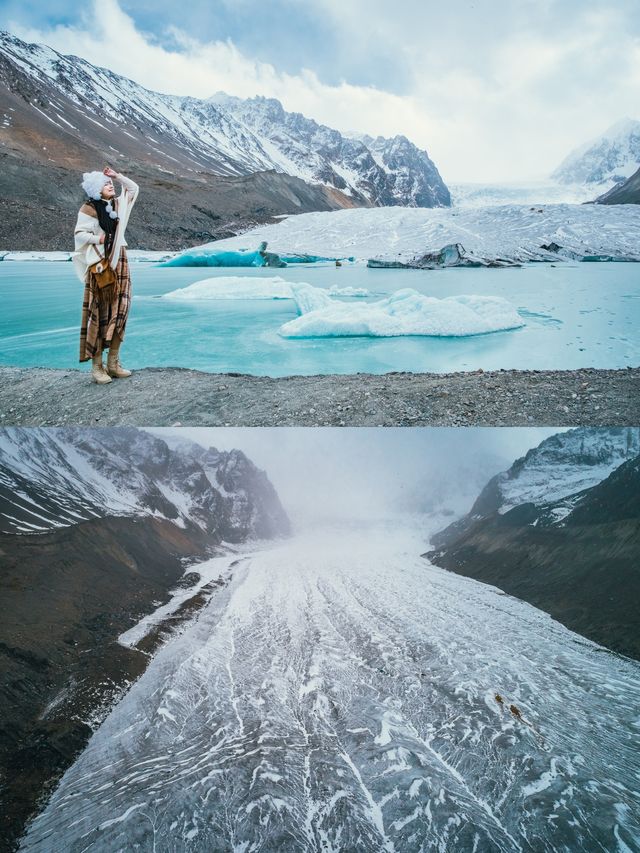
column 99, row 235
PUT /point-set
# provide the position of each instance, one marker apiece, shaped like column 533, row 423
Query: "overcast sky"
column 329, row 473
column 495, row 90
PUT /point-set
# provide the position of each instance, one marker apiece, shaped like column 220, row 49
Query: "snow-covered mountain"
column 221, row 135
column 609, row 159
column 56, row 478
column 379, row 171
column 561, row 465
column 558, row 470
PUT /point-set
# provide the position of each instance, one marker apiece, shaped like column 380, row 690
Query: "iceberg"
column 406, row 312
column 234, row 287
column 275, row 287
column 205, row 256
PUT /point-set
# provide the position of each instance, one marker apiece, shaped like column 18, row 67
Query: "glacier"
column 339, row 693
column 512, row 232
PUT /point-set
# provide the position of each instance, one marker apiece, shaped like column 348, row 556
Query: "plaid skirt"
column 102, row 319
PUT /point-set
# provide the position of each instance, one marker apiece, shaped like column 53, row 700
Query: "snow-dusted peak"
column 610, row 158
column 223, row 134
column 378, row 171
column 52, row 478
column 562, row 465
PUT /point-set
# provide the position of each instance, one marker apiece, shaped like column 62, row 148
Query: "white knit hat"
column 93, row 182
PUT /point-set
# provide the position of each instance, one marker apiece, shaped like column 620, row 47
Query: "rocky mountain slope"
column 56, row 478
column 207, row 171
column 611, row 158
column 561, row 530
column 627, row 192
column 98, row 528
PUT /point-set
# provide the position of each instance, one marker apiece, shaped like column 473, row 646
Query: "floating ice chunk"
column 209, row 257
column 307, row 297
column 212, row 258
column 234, row 287
column 407, row 312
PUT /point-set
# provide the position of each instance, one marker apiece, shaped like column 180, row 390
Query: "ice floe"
column 406, row 312
column 275, row 287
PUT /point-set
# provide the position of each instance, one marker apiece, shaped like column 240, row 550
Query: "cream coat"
column 88, row 248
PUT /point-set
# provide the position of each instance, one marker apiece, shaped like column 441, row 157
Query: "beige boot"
column 114, row 368
column 98, row 373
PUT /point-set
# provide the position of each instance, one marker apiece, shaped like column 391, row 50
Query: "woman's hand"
column 109, row 172
column 102, row 236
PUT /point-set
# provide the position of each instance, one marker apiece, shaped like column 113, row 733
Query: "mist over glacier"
column 338, row 692
column 326, row 476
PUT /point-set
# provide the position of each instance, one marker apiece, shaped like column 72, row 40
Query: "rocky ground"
column 173, row 396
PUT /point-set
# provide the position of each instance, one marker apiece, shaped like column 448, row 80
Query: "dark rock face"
column 63, row 116
column 96, row 528
column 575, row 555
column 627, row 192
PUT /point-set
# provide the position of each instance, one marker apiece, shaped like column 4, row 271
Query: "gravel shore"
column 173, row 396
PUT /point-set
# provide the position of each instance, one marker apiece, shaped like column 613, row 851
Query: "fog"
column 325, row 475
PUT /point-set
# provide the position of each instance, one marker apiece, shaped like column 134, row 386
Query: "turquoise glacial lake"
column 576, row 315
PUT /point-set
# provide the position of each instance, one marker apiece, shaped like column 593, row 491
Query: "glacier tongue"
column 339, row 694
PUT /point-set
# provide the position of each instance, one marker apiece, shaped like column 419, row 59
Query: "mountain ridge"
column 61, row 115
column 610, row 158
column 572, row 548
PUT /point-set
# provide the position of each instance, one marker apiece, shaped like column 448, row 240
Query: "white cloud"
column 487, row 110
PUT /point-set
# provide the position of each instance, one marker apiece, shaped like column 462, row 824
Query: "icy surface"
column 576, row 315
column 132, row 255
column 407, row 312
column 209, row 570
column 36, row 256
column 337, row 695
column 509, row 231
column 536, row 193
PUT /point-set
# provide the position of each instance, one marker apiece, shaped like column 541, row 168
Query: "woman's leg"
column 114, row 368
column 98, row 373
